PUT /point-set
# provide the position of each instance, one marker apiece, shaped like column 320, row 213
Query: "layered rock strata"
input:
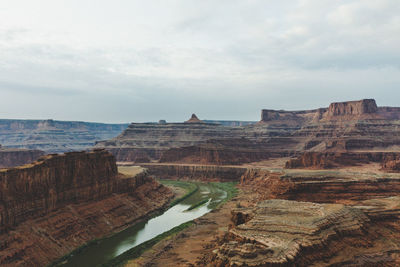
column 143, row 142
column 220, row 152
column 60, row 202
column 320, row 186
column 54, row 136
column 291, row 233
column 11, row 157
column 353, row 126
column 195, row 172
column 326, row 160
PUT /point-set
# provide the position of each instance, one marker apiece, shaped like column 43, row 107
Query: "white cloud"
column 152, row 59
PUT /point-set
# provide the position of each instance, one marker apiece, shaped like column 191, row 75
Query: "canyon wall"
column 10, row 157
column 219, row 152
column 320, row 186
column 353, row 126
column 195, row 172
column 60, row 202
column 152, row 139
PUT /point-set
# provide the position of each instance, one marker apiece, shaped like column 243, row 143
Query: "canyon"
column 315, row 187
column 60, row 202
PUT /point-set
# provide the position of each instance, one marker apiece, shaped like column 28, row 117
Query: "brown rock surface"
column 60, row 202
column 194, row 119
column 220, row 152
column 11, row 157
column 326, row 160
column 195, row 172
column 354, row 126
column 321, row 186
column 291, row 233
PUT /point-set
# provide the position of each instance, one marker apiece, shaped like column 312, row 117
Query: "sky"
column 134, row 61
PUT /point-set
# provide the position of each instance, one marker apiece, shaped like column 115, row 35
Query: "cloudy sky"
column 125, row 60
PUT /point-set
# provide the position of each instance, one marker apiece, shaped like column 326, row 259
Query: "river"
column 108, row 248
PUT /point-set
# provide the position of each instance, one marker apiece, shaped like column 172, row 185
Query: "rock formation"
column 195, row 172
column 194, row 119
column 11, row 157
column 220, row 152
column 291, row 233
column 320, row 186
column 150, row 140
column 60, row 202
column 54, row 136
column 354, row 126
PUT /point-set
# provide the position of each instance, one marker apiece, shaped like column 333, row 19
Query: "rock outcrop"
column 150, row 140
column 195, row 172
column 54, row 136
column 220, row 152
column 60, row 202
column 352, row 108
column 291, row 233
column 354, row 126
column 194, row 119
column 11, row 157
column 320, row 186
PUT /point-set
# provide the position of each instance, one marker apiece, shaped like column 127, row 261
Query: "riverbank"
column 187, row 247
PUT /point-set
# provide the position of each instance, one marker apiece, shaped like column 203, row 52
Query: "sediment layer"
column 195, row 172
column 11, row 157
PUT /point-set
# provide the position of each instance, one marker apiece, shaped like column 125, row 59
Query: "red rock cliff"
column 60, row 202
column 14, row 157
column 365, row 106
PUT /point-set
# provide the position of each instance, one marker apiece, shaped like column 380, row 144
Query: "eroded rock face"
column 220, row 152
column 320, row 186
column 152, row 139
column 11, row 157
column 284, row 233
column 352, row 108
column 194, row 119
column 54, row 205
column 326, row 160
column 195, row 172
column 354, row 126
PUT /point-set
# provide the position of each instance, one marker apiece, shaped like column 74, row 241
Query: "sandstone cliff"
column 11, row 157
column 150, row 140
column 354, row 126
column 195, row 172
column 320, row 186
column 220, row 152
column 60, row 202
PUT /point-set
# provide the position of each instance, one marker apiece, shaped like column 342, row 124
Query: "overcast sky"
column 125, row 60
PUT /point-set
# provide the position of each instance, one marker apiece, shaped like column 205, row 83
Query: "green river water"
column 108, row 248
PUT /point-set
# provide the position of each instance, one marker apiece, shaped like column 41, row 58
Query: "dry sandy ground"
column 130, row 170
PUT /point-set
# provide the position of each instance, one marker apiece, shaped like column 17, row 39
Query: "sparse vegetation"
column 190, row 188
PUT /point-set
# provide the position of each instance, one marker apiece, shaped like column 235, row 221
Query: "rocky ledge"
column 291, row 233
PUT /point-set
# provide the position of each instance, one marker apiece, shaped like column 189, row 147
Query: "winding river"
column 108, row 248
